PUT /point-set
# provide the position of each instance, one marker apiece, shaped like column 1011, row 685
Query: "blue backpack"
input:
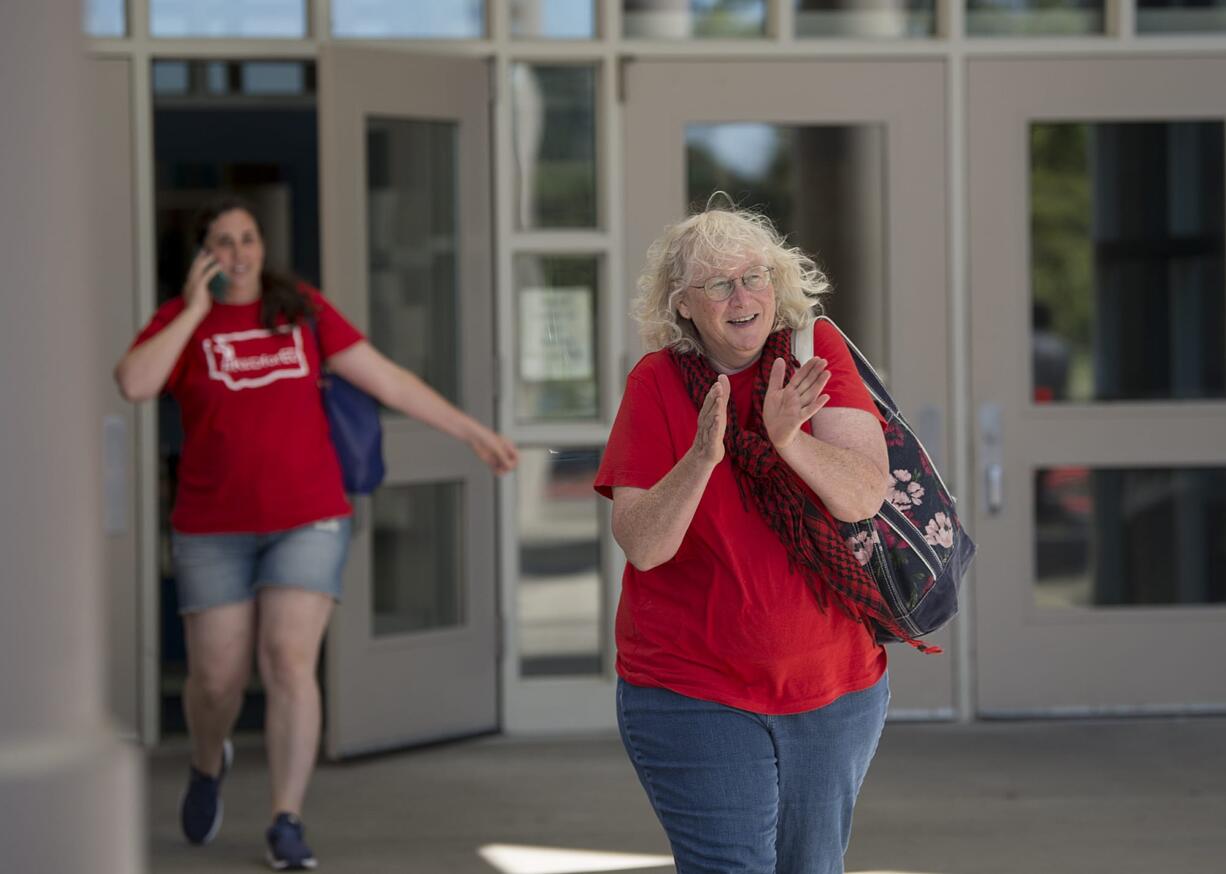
column 914, row 548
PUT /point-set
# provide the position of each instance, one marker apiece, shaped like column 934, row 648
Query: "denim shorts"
column 216, row 569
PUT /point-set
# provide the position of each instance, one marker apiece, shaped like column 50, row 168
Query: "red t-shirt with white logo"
column 257, row 455
column 727, row 619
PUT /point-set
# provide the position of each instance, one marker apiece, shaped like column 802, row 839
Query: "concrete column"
column 70, row 791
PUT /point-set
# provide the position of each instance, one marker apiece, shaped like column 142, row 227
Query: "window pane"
column 235, row 79
column 436, row 19
column 553, row 19
column 560, row 587
column 556, row 340
column 865, row 18
column 1127, row 261
column 105, row 18
column 555, row 145
column 1033, row 17
column 1181, row 16
column 411, row 223
column 418, row 569
column 1124, row 537
column 250, row 18
column 824, row 187
column 681, row 19
column 171, row 78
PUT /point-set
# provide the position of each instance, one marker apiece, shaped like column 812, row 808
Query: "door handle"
column 994, row 488
column 992, row 457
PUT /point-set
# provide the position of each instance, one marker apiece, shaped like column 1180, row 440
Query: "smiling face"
column 234, row 240
column 733, row 331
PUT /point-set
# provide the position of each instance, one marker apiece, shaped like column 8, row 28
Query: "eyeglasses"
column 721, row 287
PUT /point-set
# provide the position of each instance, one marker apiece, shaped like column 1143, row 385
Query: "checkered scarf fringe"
column 805, row 526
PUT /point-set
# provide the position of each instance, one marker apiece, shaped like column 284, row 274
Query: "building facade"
column 1020, row 206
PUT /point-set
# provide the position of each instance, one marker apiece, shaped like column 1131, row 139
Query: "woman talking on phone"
column 261, row 522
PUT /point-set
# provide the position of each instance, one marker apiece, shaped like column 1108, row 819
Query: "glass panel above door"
column 823, row 186
column 553, row 19
column 1129, row 537
column 1181, row 16
column 436, row 19
column 412, row 236
column 1034, row 17
column 105, row 18
column 285, row 19
column 865, row 19
column 1126, row 261
column 686, row 19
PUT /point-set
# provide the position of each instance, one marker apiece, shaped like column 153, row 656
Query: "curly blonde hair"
column 704, row 242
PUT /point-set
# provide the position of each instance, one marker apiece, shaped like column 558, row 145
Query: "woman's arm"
column 845, row 462
column 395, row 387
column 649, row 524
column 143, row 371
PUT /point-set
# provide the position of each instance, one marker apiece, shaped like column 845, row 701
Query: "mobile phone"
column 218, row 285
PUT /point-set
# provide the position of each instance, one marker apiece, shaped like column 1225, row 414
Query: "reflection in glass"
column 553, row 19
column 436, row 19
column 874, row 19
column 171, row 78
column 556, row 338
column 222, row 18
column 560, row 591
column 269, row 78
column 411, row 225
column 1181, row 16
column 824, row 187
column 1129, row 537
column 555, row 145
column 681, row 19
column 417, row 547
column 1127, row 261
column 1033, row 17
column 105, row 18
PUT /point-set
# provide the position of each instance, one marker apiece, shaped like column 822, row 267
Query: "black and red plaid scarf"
column 805, row 526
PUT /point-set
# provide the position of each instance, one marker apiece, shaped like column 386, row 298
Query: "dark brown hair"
column 280, row 295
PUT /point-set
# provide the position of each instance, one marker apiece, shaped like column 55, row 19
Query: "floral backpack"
column 915, row 547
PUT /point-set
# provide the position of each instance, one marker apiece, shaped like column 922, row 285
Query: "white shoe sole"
column 277, row 865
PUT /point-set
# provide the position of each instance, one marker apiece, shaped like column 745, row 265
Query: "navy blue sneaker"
column 287, row 851
column 200, row 807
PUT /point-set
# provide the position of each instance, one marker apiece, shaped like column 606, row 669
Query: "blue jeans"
column 745, row 793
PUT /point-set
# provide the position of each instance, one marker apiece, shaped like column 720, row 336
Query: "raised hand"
column 787, row 407
column 196, row 286
column 708, row 444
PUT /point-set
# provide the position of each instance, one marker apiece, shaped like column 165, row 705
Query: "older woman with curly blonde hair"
column 751, row 691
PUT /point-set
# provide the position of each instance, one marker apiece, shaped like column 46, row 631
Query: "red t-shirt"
column 257, row 455
column 726, row 619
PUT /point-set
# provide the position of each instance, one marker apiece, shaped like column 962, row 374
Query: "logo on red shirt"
column 253, row 359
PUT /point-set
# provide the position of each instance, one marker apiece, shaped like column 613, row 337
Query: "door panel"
column 1096, row 240
column 406, row 226
column 113, row 228
column 849, row 158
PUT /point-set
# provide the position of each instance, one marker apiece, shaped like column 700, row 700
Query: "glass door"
column 848, row 159
column 1098, row 347
column 405, row 181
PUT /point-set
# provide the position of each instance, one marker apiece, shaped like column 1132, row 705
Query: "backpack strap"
column 872, row 381
column 802, row 344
